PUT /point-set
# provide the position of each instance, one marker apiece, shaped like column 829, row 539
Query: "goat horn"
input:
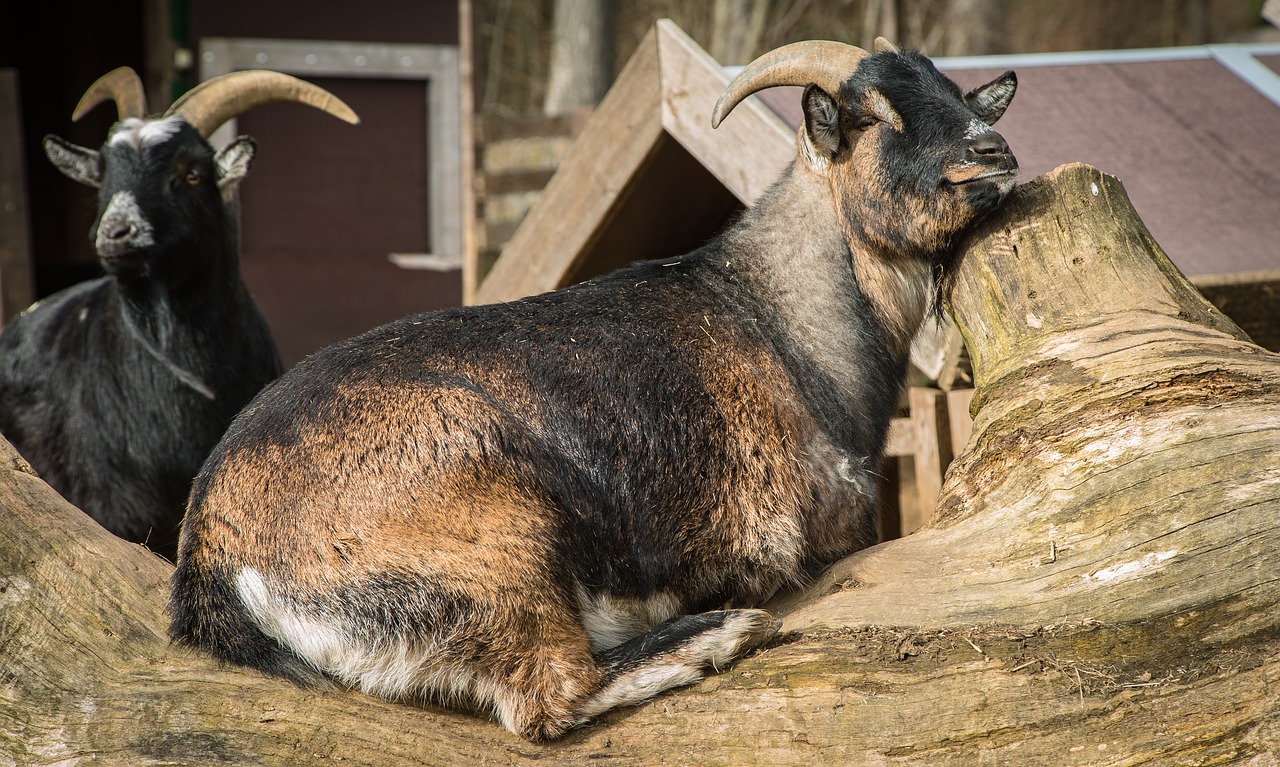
column 882, row 45
column 824, row 63
column 211, row 103
column 121, row 85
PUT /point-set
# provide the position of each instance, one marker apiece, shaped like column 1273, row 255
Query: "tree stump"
column 1097, row 587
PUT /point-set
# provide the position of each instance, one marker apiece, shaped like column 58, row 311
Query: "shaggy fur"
column 116, row 389
column 541, row 508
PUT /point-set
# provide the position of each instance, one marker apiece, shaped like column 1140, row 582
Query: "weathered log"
column 1098, row 586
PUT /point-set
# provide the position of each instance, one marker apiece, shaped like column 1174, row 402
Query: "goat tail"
column 206, row 611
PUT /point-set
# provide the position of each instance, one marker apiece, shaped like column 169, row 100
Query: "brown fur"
column 535, row 508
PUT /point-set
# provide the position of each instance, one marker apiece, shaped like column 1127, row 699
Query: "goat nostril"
column 992, row 143
column 120, row 232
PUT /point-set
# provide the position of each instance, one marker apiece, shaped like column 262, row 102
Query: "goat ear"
column 821, row 122
column 233, row 161
column 75, row 162
column 989, row 101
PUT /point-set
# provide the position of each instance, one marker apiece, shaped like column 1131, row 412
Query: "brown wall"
column 325, row 203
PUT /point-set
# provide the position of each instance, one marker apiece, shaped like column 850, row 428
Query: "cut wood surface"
column 1098, row 586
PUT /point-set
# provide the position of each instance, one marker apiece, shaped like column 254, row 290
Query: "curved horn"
column 824, row 63
column 121, row 85
column 882, row 45
column 210, row 104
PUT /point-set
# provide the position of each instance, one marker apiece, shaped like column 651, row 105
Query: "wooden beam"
column 958, row 402
column 749, row 149
column 902, row 440
column 931, row 429
column 470, row 250
column 666, row 92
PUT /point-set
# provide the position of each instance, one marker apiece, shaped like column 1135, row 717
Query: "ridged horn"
column 211, row 103
column 882, row 45
column 121, row 85
column 824, row 63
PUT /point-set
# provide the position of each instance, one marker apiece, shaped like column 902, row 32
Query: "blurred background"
column 468, row 108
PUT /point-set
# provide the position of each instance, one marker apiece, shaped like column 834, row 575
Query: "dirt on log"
column 1099, row 586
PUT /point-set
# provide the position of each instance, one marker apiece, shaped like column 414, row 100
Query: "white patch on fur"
column 976, row 128
column 686, row 664
column 125, row 206
column 386, row 667
column 143, row 133
column 609, row 621
column 818, row 161
column 854, row 471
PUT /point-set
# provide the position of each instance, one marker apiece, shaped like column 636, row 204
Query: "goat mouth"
column 997, row 175
column 121, row 260
column 118, row 254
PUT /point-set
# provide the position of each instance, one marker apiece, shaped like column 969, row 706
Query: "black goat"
column 116, row 389
column 526, row 507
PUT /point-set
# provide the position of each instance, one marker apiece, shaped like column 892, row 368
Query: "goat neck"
column 805, row 274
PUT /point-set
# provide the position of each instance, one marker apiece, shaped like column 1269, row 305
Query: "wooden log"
column 1097, row 588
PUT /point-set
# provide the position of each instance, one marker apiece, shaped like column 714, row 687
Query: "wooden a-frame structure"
column 647, row 177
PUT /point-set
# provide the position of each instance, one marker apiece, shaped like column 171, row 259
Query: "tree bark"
column 1098, row 587
column 582, row 54
column 737, row 27
column 974, row 27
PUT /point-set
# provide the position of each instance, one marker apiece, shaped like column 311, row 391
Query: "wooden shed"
column 1194, row 133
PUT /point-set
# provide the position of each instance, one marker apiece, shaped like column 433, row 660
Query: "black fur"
column 116, row 389
column 523, row 493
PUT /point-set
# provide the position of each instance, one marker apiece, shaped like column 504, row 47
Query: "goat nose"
column 990, row 143
column 119, row 229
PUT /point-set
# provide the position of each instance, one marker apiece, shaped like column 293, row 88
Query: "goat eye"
column 865, row 123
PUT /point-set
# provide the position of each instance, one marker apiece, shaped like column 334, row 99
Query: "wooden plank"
column 749, row 149
column 473, row 267
column 958, row 401
column 515, row 181
column 494, row 128
column 593, row 180
column 931, row 428
column 17, row 290
column 1271, row 12
column 902, row 439
column 499, row 232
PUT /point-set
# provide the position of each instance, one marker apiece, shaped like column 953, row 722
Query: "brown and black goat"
column 117, row 388
column 541, row 508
